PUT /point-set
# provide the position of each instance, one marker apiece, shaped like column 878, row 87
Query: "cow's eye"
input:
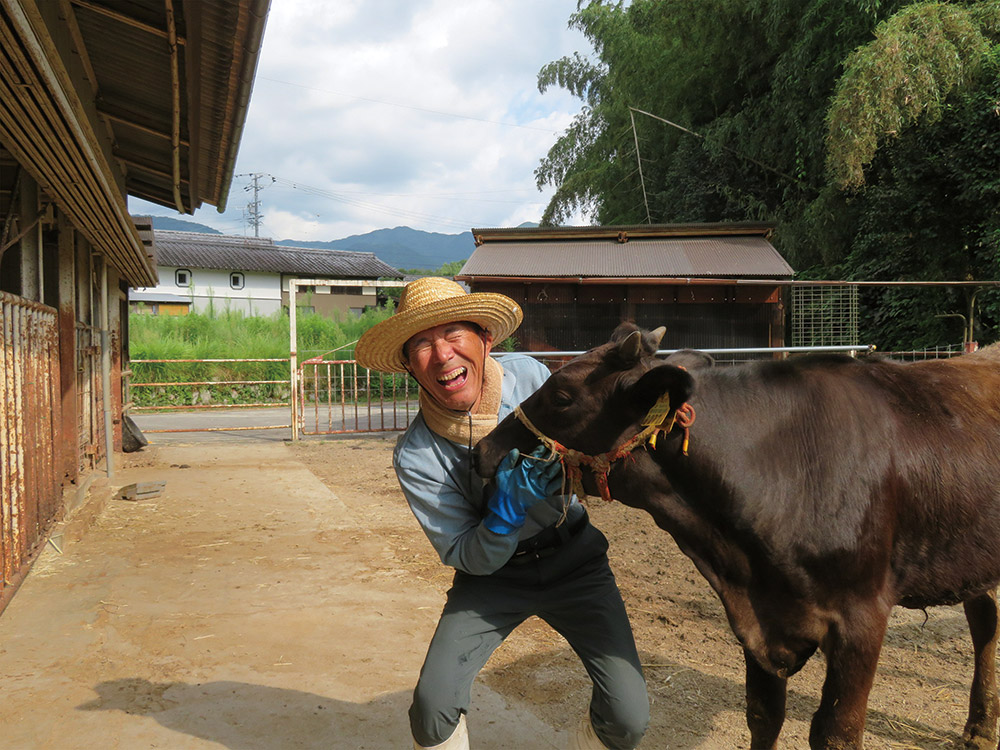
column 561, row 399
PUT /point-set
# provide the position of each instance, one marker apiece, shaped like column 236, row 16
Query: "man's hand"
column 521, row 482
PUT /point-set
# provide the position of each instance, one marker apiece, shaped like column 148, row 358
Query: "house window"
column 236, row 280
column 183, row 277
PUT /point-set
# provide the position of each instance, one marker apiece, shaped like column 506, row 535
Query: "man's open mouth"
column 454, row 379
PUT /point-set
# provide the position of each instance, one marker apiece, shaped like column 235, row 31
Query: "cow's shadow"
column 710, row 696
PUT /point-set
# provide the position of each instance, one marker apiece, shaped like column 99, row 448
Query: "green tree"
column 918, row 57
column 868, row 131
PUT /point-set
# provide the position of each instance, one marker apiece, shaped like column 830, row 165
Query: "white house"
column 199, row 271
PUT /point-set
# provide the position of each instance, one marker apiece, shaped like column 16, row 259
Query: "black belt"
column 547, row 541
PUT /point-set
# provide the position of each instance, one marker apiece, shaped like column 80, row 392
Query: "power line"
column 759, row 163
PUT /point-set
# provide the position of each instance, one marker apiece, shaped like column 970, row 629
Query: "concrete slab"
column 246, row 607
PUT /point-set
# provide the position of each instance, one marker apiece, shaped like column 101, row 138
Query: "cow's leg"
column 852, row 657
column 984, row 706
column 765, row 705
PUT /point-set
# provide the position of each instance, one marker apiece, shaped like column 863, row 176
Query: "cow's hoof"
column 979, row 738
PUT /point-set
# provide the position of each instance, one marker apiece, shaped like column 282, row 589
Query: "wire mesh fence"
column 824, row 315
column 935, row 352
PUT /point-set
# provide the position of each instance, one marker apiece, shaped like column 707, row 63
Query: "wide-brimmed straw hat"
column 429, row 302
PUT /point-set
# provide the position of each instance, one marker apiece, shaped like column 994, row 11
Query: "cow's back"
column 863, row 465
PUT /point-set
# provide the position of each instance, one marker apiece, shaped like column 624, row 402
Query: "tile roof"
column 667, row 251
column 202, row 250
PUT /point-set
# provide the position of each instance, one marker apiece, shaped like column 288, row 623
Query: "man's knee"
column 432, row 720
column 623, row 726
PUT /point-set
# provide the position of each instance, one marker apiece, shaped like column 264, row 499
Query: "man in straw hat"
column 519, row 548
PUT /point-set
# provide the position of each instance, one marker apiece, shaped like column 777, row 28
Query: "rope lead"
column 600, row 465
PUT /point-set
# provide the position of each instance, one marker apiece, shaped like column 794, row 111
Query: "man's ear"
column 487, row 338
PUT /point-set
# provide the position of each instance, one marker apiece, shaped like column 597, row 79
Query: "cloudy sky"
column 382, row 113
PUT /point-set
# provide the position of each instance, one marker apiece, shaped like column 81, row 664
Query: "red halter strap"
column 600, row 465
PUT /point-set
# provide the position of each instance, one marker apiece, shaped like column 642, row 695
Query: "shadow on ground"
column 243, row 716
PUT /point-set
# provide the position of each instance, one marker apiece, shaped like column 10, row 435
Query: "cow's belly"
column 947, row 572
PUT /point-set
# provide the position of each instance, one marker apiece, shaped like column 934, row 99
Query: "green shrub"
column 227, row 334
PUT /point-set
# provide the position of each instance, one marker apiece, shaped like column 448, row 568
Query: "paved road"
column 266, row 424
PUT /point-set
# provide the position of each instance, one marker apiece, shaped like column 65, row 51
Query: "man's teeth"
column 452, row 375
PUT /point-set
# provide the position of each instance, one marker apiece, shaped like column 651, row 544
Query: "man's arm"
column 448, row 507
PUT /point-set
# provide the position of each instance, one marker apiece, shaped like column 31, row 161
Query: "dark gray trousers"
column 572, row 589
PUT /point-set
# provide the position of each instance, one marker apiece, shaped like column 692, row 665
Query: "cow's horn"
column 657, row 335
column 630, row 347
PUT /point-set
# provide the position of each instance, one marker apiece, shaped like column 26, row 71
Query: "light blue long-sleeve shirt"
column 446, row 495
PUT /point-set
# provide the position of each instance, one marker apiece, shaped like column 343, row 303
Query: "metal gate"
column 89, row 396
column 29, row 391
column 339, row 396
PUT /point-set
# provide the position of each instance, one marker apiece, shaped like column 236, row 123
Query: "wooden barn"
column 712, row 285
column 99, row 100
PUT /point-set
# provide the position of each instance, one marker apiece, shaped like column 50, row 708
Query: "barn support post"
column 31, row 242
column 68, row 432
column 109, row 435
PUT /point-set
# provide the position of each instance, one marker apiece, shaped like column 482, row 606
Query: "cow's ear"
column 657, row 381
column 624, row 329
column 651, row 340
column 630, row 347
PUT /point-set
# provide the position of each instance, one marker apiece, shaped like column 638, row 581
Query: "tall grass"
column 231, row 335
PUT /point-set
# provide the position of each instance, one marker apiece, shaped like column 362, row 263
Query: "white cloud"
column 422, row 113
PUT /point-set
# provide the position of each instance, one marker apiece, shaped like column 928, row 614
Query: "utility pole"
column 253, row 207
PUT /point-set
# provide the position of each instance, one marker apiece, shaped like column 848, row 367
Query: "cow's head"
column 594, row 402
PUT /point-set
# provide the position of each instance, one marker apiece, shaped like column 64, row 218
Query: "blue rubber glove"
column 521, row 482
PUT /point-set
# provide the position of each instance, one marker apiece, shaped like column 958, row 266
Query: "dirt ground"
column 281, row 596
column 692, row 661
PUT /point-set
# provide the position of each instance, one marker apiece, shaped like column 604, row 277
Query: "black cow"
column 817, row 493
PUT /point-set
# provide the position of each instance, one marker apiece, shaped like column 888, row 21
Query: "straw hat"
column 426, row 303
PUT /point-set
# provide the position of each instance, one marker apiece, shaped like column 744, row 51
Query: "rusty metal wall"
column 29, row 481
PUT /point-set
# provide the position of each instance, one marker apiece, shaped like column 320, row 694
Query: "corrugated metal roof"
column 717, row 256
column 701, row 229
column 216, row 55
column 99, row 98
column 220, row 251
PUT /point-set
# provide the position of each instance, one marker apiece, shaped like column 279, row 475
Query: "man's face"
column 447, row 361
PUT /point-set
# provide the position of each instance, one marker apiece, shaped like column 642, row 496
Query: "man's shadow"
column 243, row 716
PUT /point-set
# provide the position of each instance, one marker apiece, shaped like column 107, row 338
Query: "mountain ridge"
column 400, row 247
